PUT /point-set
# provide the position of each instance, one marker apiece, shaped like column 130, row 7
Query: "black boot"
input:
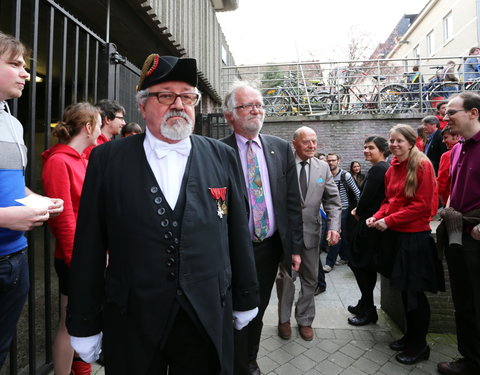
column 357, row 309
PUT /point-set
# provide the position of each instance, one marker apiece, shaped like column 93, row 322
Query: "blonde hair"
column 75, row 117
column 415, row 158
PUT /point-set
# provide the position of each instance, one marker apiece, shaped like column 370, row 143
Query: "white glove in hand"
column 242, row 318
column 88, row 348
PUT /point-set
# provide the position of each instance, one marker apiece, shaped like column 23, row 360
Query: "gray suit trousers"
column 305, row 307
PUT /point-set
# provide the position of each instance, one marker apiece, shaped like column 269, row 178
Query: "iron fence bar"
column 63, row 68
column 32, row 340
column 47, row 237
column 17, row 9
column 73, row 19
column 95, row 72
column 87, row 57
column 75, row 66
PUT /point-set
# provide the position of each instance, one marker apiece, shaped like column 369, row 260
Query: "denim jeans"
column 342, row 247
column 14, row 285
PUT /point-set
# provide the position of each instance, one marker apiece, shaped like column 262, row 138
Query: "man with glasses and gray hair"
column 168, row 207
column 270, row 186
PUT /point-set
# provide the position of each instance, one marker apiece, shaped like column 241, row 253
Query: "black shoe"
column 357, row 309
column 367, row 317
column 409, row 358
column 398, row 345
column 319, row 289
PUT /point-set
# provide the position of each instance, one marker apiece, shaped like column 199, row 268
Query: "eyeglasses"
column 451, row 112
column 168, row 98
column 249, row 107
column 120, row 118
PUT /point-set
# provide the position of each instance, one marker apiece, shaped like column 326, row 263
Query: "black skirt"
column 410, row 261
column 365, row 245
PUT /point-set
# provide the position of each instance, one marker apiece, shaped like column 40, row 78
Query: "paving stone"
column 341, row 359
column 303, row 363
column 344, row 334
column 366, row 365
column 316, row 354
column 377, row 356
column 288, row 369
column 271, row 344
column 362, row 335
column 352, row 371
column 312, row 372
column 328, row 368
column 266, row 364
column 329, row 346
column 363, row 344
column 352, row 351
column 324, row 333
column 382, row 336
column 394, row 368
column 294, row 348
column 280, row 356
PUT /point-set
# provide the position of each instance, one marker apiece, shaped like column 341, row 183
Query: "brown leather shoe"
column 458, row 367
column 306, row 332
column 285, row 330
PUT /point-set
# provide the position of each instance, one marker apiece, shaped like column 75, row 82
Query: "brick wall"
column 343, row 136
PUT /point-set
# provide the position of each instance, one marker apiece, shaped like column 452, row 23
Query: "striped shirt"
column 343, row 192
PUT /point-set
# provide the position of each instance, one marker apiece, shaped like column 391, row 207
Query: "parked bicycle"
column 347, row 98
column 294, row 97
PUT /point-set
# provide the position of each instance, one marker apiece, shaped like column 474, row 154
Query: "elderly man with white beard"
column 168, row 207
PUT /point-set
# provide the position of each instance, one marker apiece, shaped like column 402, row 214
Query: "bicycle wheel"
column 393, row 99
column 278, row 105
column 322, row 104
column 474, row 86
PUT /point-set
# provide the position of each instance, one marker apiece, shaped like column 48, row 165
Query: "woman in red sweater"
column 408, row 255
column 63, row 174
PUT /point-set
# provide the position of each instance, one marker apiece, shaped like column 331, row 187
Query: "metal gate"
column 69, row 63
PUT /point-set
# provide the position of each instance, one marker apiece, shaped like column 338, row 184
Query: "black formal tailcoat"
column 131, row 299
column 285, row 191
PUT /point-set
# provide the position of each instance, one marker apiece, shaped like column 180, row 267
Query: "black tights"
column 417, row 317
column 366, row 280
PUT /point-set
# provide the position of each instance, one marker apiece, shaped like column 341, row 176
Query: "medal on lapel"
column 219, row 194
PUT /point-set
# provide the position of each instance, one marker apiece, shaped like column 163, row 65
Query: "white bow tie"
column 162, row 149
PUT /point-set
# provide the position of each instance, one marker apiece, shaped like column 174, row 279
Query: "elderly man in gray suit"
column 317, row 187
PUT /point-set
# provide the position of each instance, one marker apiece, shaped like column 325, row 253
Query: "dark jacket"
column 436, row 149
column 213, row 268
column 285, row 191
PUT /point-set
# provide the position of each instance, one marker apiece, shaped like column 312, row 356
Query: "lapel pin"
column 272, row 152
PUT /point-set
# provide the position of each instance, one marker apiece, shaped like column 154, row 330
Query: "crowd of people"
column 168, row 244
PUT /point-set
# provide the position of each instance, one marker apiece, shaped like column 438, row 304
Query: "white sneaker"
column 341, row 262
column 327, row 268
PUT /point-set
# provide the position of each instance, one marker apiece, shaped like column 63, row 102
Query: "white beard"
column 178, row 129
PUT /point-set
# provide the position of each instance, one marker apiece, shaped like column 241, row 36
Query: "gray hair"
column 229, row 102
column 432, row 120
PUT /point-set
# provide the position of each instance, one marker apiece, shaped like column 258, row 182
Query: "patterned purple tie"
column 256, row 196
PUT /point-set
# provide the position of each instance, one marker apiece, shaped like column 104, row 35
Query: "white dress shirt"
column 168, row 162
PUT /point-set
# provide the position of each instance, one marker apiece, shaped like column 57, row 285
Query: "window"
column 447, row 27
column 416, row 54
column 430, row 43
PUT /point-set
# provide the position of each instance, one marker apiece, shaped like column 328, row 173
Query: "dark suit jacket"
column 285, row 191
column 119, row 212
column 436, row 149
